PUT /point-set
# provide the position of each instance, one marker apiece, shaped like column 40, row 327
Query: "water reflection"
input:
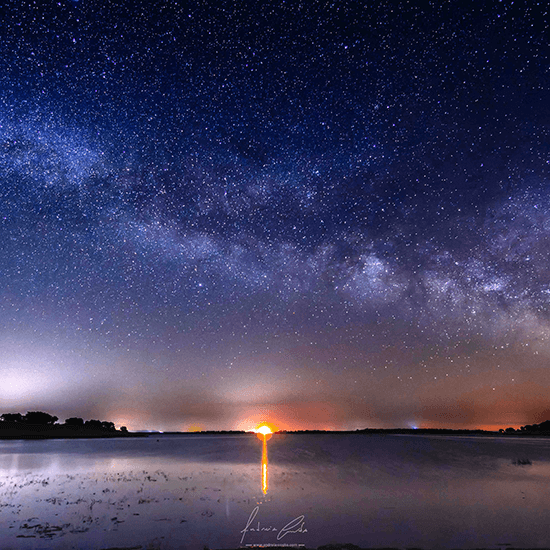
column 264, row 466
column 371, row 491
column 264, row 433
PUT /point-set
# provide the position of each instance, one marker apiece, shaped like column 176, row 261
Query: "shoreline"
column 30, row 435
column 15, row 435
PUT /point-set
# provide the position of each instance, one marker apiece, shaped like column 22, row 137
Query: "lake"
column 192, row 491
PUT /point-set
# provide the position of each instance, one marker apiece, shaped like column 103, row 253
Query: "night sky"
column 323, row 214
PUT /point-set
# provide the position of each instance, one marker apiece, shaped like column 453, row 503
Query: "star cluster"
column 325, row 214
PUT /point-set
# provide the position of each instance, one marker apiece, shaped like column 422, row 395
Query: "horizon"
column 272, row 427
column 252, row 426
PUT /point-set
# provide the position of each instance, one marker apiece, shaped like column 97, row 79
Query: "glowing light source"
column 265, row 430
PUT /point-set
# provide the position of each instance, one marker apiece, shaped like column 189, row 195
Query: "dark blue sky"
column 323, row 214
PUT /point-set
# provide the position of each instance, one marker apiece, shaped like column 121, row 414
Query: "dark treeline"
column 435, row 431
column 441, row 431
column 38, row 424
column 206, row 432
column 530, row 429
column 534, row 429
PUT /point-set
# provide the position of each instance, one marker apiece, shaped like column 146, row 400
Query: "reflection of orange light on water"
column 264, row 465
column 264, row 432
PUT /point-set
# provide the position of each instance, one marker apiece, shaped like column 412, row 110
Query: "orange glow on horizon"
column 265, row 428
column 264, row 431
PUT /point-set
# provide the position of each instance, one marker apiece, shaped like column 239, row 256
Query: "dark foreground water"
column 197, row 491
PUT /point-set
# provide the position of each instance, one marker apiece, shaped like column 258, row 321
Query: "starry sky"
column 327, row 215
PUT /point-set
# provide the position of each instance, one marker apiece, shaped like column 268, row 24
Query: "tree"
column 124, row 429
column 12, row 417
column 108, row 426
column 42, row 418
column 74, row 421
column 93, row 424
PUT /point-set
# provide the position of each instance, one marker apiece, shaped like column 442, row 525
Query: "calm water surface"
column 197, row 491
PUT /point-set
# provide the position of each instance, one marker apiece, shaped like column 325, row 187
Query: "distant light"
column 265, row 428
column 265, row 431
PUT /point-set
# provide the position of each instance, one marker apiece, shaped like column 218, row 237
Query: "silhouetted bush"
column 39, row 417
column 37, row 424
column 93, row 424
column 12, row 417
column 74, row 421
column 542, row 428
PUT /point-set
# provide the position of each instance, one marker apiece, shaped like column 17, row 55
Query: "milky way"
column 329, row 215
